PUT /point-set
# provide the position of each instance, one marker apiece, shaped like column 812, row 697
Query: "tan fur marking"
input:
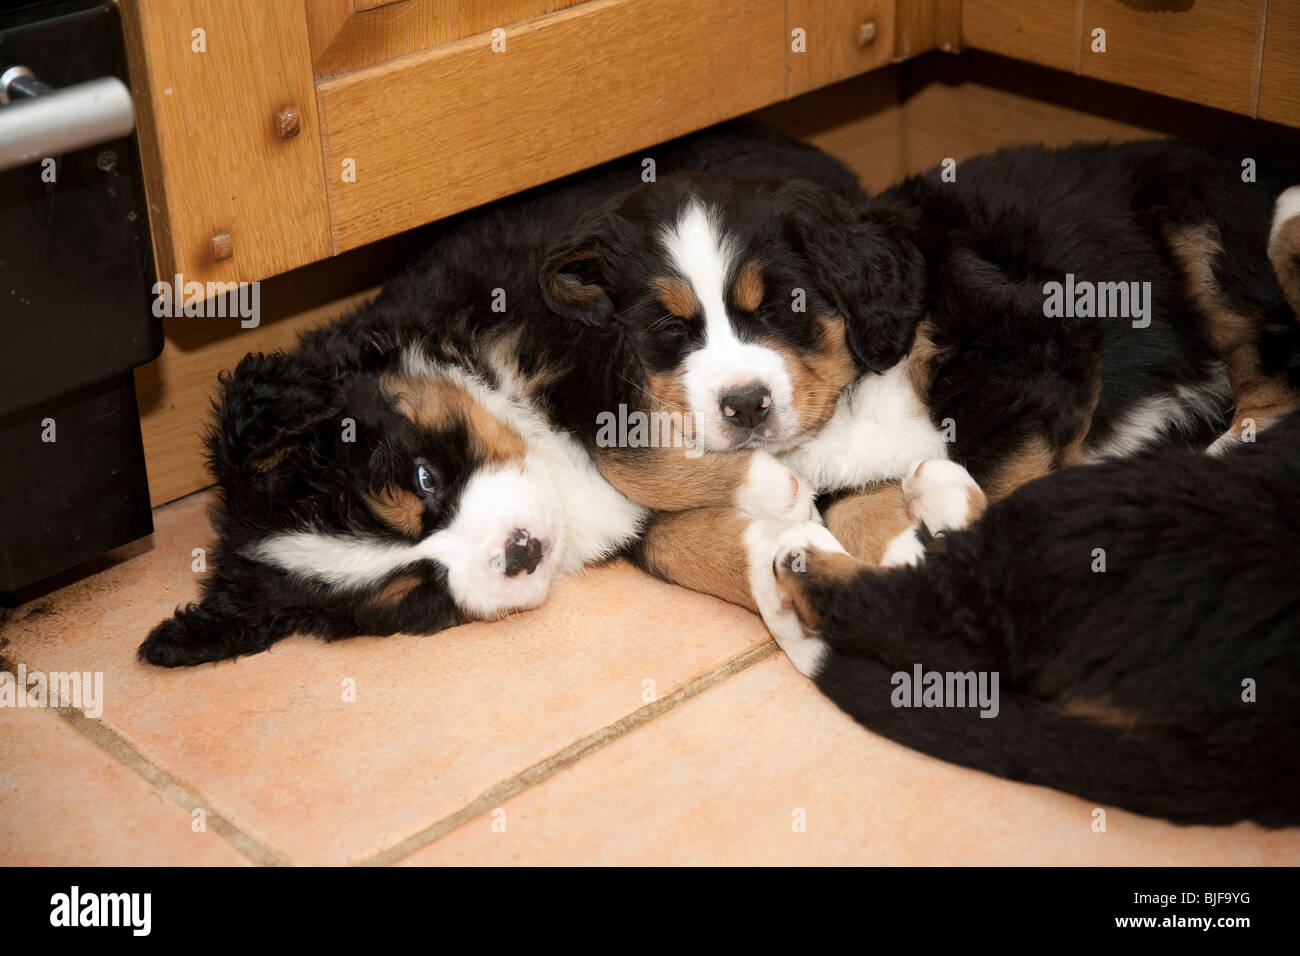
column 747, row 292
column 667, row 480
column 866, row 522
column 816, row 380
column 924, row 358
column 439, row 405
column 398, row 508
column 703, row 550
column 976, row 502
column 1284, row 254
column 824, row 569
column 1072, row 453
column 570, row 287
column 1256, row 395
column 269, row 462
column 677, row 296
column 669, row 392
column 395, row 591
column 1031, row 460
column 1097, row 711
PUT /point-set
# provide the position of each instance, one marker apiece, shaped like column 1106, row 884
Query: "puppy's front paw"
column 778, row 554
column 942, row 495
column 771, row 490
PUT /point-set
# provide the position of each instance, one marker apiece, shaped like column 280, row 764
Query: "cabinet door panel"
column 435, row 133
column 1204, row 52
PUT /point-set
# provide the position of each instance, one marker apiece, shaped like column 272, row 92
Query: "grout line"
column 570, row 755
column 121, row 750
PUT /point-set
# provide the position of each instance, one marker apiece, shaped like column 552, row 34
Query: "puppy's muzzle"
column 746, row 407
column 523, row 553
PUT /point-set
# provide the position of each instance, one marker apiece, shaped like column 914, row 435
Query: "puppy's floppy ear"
column 866, row 262
column 573, row 277
column 269, row 405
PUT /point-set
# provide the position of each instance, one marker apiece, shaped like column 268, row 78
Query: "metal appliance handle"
column 60, row 121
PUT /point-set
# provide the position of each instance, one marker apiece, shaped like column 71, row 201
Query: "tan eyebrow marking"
column 747, row 290
column 677, row 296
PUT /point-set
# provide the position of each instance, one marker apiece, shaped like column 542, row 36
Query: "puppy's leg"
column 805, row 565
column 881, row 526
column 866, row 522
column 702, row 549
column 670, row 479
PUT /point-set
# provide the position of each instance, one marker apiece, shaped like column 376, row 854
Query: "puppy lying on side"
column 940, row 320
column 427, row 460
column 1140, row 615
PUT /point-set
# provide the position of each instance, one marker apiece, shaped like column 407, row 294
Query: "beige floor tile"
column 723, row 778
column 437, row 720
column 65, row 802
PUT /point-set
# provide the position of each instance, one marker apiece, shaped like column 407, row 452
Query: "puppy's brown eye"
column 425, row 480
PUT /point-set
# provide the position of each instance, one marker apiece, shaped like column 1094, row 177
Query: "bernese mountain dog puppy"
column 428, row 459
column 1043, row 308
column 1127, row 631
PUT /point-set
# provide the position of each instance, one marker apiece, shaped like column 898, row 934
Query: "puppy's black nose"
column 523, row 553
column 746, row 407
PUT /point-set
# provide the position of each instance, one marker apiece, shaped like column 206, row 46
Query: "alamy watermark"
column 81, row 689
column 1086, row 300
column 212, row 300
column 922, row 688
column 636, row 429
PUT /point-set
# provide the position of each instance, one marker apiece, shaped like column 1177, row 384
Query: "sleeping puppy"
column 432, row 459
column 1047, row 308
column 1127, row 631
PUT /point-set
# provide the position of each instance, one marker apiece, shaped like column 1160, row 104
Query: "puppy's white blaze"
column 766, row 541
column 705, row 256
column 492, row 505
column 597, row 519
column 558, row 496
column 879, row 427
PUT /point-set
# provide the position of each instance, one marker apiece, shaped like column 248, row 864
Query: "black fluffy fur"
column 276, row 451
column 1198, row 594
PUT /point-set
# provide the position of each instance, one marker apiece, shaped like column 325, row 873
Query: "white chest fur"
column 879, row 427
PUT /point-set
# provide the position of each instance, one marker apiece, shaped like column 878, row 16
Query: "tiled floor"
column 626, row 721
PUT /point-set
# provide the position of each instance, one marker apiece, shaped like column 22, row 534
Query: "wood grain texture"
column 1207, row 53
column 923, row 25
column 438, row 132
column 857, row 121
column 1279, row 81
column 351, row 34
column 214, row 161
column 961, row 107
column 1040, row 31
column 833, row 36
column 986, row 102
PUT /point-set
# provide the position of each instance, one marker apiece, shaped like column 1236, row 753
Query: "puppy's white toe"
column 941, row 494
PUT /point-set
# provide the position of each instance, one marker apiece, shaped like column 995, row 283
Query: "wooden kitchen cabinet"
column 1279, row 79
column 1040, row 31
column 1204, row 52
column 276, row 133
column 464, row 123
